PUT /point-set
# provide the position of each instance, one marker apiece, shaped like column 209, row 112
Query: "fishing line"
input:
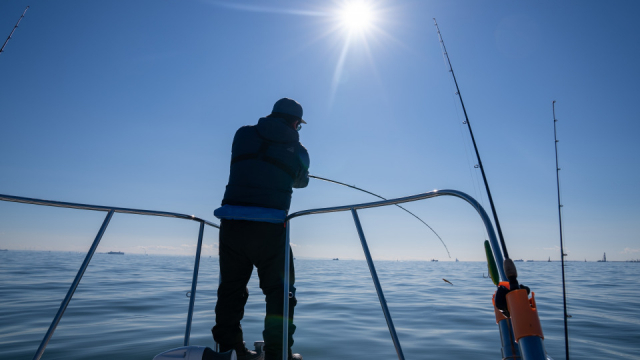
column 380, row 197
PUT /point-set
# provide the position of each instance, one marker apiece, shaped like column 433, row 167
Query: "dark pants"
column 244, row 244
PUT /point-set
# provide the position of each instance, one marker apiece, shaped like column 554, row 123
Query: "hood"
column 277, row 130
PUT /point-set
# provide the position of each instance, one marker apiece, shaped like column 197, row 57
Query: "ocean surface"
column 135, row 306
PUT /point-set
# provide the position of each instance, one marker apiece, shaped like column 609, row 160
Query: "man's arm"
column 302, row 179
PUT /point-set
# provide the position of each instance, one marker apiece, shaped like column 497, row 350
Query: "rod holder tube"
column 510, row 349
column 285, row 298
column 532, row 348
column 73, row 287
column 194, row 284
column 376, row 282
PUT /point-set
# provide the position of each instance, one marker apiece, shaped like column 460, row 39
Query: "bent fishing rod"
column 380, row 197
column 12, row 31
column 475, row 147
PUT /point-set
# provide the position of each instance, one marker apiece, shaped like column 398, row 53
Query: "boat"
column 529, row 260
column 115, row 253
column 456, row 259
column 519, row 260
column 336, row 259
column 501, row 271
column 549, row 259
column 604, row 258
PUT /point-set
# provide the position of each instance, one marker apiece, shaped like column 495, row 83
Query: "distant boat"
column 549, row 259
column 434, row 260
column 115, row 253
column 456, row 259
column 336, row 259
column 529, row 260
column 519, row 260
column 604, row 258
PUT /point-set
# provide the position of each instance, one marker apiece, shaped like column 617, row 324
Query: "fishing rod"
column 378, row 196
column 14, row 29
column 562, row 254
column 484, row 177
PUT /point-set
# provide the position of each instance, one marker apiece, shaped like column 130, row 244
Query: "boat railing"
column 353, row 208
column 497, row 253
column 110, row 211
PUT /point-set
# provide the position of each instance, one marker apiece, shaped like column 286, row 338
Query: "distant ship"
column 456, row 259
column 336, row 259
column 519, row 260
column 604, row 258
column 549, row 259
column 529, row 260
column 434, row 260
column 115, row 253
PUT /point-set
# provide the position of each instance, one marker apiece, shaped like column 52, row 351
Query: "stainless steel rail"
column 497, row 253
column 110, row 211
column 194, row 284
column 495, row 246
column 74, row 285
column 376, row 282
column 69, row 205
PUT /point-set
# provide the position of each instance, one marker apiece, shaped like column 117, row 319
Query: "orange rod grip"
column 524, row 314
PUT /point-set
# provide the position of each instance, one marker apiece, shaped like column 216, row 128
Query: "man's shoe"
column 245, row 354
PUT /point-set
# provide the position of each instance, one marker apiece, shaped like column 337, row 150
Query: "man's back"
column 267, row 160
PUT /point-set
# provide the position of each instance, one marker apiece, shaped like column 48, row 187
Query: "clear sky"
column 135, row 104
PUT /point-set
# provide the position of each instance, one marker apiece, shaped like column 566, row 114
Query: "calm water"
column 133, row 307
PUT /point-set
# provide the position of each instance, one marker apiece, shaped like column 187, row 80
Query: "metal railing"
column 110, row 211
column 495, row 246
column 352, row 208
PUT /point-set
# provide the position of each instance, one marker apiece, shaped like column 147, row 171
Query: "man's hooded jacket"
column 267, row 161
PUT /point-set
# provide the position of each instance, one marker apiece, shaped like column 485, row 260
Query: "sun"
column 357, row 16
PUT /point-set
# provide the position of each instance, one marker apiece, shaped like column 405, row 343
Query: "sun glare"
column 357, row 16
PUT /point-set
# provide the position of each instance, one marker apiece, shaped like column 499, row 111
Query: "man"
column 267, row 161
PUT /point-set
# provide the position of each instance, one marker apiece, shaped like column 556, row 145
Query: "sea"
column 135, row 306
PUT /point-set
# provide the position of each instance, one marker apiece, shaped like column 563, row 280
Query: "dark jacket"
column 267, row 161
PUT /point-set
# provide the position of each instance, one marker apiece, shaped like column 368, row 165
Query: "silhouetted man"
column 267, row 161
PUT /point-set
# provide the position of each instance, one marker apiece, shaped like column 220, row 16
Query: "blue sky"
column 135, row 103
